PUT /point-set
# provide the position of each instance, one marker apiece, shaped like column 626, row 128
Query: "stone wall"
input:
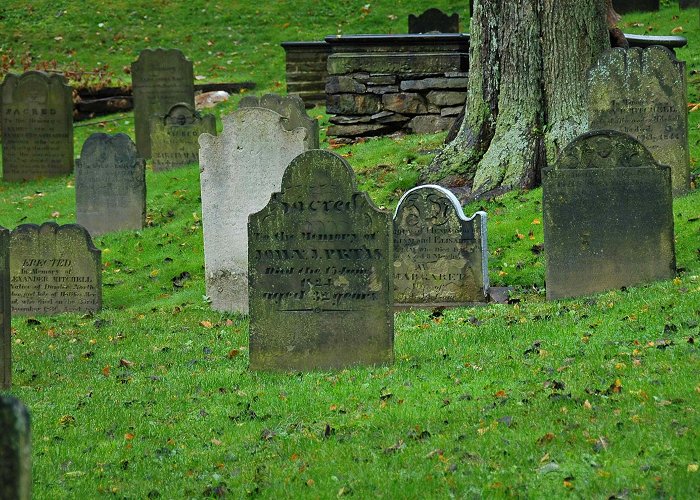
column 306, row 70
column 379, row 84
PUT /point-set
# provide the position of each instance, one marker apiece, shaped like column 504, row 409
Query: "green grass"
column 592, row 397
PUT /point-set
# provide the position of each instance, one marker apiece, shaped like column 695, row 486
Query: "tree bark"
column 525, row 101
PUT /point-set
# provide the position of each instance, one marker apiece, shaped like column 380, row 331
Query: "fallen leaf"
column 206, row 324
column 105, row 371
column 126, row 363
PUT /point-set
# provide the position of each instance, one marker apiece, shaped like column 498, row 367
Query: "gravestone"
column 608, row 216
column 292, row 108
column 626, row 6
column 54, row 269
column 440, row 256
column 15, row 450
column 5, row 315
column 37, row 126
column 320, row 258
column 642, row 92
column 110, row 185
column 688, row 4
column 175, row 136
column 239, row 170
column 433, row 21
column 160, row 79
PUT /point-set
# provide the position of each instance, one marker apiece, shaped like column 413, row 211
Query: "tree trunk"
column 527, row 65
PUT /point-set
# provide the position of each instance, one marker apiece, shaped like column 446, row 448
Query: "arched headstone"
column 175, row 136
column 292, row 108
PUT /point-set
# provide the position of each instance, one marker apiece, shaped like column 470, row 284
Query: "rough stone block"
column 428, row 124
column 441, row 98
column 343, row 84
column 405, row 64
column 389, row 117
column 356, row 130
column 435, row 83
column 383, row 89
column 451, row 111
column 353, row 104
column 407, row 103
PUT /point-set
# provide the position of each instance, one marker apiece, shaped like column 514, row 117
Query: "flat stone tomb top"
column 320, row 255
column 292, row 108
column 440, row 256
column 175, row 136
column 608, row 219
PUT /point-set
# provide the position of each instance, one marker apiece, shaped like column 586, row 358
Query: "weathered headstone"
column 433, row 21
column 240, row 169
column 54, row 269
column 15, row 450
column 160, row 78
column 320, row 259
column 608, row 216
column 642, row 92
column 626, row 6
column 37, row 126
column 292, row 108
column 110, row 185
column 5, row 314
column 175, row 136
column 440, row 256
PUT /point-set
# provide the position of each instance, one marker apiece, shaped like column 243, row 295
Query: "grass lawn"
column 151, row 397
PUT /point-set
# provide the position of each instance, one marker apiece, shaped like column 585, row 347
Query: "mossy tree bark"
column 525, row 101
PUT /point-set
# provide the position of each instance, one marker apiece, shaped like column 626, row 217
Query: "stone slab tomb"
column 293, row 109
column 608, row 218
column 160, row 79
column 15, row 450
column 320, row 260
column 305, row 70
column 37, row 126
column 5, row 313
column 239, row 170
column 54, row 269
column 110, row 185
column 642, row 92
column 433, row 21
column 440, row 256
column 175, row 136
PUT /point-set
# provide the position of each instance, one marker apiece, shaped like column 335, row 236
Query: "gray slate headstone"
column 110, row 185
column 37, row 126
column 440, row 256
column 608, row 216
column 642, row 92
column 175, row 136
column 320, row 259
column 433, row 21
column 292, row 108
column 5, row 313
column 15, row 450
column 239, row 170
column 54, row 269
column 160, row 78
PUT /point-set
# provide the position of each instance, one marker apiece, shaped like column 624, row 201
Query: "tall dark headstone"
column 440, row 256
column 110, row 185
column 626, row 6
column 54, row 269
column 15, row 450
column 433, row 21
column 642, row 92
column 320, row 260
column 160, row 79
column 608, row 216
column 175, row 136
column 37, row 126
column 292, row 108
column 5, row 313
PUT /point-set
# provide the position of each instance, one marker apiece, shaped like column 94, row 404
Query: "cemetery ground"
column 152, row 395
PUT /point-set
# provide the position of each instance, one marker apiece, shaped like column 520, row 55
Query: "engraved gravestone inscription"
column 175, row 136
column 320, row 259
column 5, row 314
column 292, row 108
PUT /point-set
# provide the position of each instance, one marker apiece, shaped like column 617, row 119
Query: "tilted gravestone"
column 5, row 314
column 433, row 21
column 175, row 136
column 440, row 256
column 320, row 259
column 292, row 108
column 54, row 269
column 160, row 78
column 37, row 126
column 608, row 216
column 15, row 450
column 110, row 185
column 626, row 6
column 642, row 92
column 239, row 170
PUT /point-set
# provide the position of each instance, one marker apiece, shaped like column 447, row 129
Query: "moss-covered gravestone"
column 608, row 219
column 175, row 136
column 440, row 256
column 642, row 92
column 110, row 185
column 292, row 108
column 54, row 269
column 320, row 260
column 37, row 126
column 15, row 450
column 160, row 79
column 5, row 314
